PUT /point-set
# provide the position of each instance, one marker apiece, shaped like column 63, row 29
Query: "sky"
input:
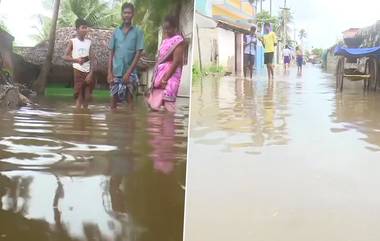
column 323, row 20
column 19, row 17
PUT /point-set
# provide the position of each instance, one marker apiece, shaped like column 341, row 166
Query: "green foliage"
column 212, row 69
column 317, row 51
column 264, row 17
column 97, row 13
column 2, row 26
column 197, row 74
column 43, row 28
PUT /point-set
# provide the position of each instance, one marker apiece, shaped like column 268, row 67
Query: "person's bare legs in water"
column 270, row 71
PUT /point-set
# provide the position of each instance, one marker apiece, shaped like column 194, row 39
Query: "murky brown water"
column 96, row 175
column 290, row 161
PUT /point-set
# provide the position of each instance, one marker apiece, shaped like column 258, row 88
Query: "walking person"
column 269, row 40
column 299, row 59
column 287, row 54
column 250, row 43
column 126, row 46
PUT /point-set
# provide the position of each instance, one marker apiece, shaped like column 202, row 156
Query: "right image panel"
column 285, row 121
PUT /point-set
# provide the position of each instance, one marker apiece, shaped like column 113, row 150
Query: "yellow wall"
column 235, row 3
column 247, row 8
column 242, row 9
column 220, row 10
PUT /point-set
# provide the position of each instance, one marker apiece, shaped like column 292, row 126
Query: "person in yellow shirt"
column 269, row 41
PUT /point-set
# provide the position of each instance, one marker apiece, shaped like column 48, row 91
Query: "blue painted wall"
column 204, row 7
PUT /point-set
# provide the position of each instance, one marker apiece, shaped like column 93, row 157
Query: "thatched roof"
column 99, row 38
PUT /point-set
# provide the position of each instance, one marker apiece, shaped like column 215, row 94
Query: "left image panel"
column 94, row 102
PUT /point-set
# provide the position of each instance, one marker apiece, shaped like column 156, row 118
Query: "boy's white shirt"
column 81, row 49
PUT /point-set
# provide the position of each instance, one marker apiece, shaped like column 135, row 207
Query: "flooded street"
column 290, row 160
column 96, row 175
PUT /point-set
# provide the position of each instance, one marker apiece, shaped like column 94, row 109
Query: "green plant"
column 317, row 51
column 197, row 74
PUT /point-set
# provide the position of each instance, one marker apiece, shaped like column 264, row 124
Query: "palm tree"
column 43, row 28
column 264, row 17
column 285, row 17
column 40, row 84
column 302, row 35
column 97, row 13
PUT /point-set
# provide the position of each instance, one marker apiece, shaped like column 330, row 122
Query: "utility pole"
column 284, row 29
column 285, row 14
column 270, row 8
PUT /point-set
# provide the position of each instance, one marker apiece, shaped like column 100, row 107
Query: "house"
column 220, row 43
column 234, row 9
column 222, row 25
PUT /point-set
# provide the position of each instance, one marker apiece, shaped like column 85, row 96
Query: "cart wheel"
column 340, row 74
column 371, row 69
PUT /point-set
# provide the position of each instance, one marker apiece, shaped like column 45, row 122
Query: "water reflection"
column 162, row 141
column 357, row 110
column 94, row 175
column 298, row 158
column 245, row 114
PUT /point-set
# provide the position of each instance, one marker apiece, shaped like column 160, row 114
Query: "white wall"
column 209, row 46
column 226, row 46
column 186, row 26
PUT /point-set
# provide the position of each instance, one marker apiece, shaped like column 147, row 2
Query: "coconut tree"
column 40, row 84
column 264, row 17
column 302, row 35
column 43, row 28
column 285, row 18
column 96, row 12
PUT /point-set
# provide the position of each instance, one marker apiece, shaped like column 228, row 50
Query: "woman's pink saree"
column 159, row 96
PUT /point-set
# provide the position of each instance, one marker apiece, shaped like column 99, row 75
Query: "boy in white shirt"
column 287, row 57
column 79, row 53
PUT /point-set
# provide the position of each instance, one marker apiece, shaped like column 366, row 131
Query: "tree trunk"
column 40, row 84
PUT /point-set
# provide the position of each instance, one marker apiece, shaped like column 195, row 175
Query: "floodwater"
column 289, row 160
column 96, row 175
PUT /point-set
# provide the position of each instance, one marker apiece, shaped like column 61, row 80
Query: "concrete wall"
column 239, row 58
column 186, row 26
column 226, row 45
column 209, row 47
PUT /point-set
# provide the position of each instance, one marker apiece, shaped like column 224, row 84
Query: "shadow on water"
column 95, row 175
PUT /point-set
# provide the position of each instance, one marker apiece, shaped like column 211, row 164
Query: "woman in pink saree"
column 168, row 70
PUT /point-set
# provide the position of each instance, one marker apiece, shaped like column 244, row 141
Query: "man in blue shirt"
column 126, row 46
